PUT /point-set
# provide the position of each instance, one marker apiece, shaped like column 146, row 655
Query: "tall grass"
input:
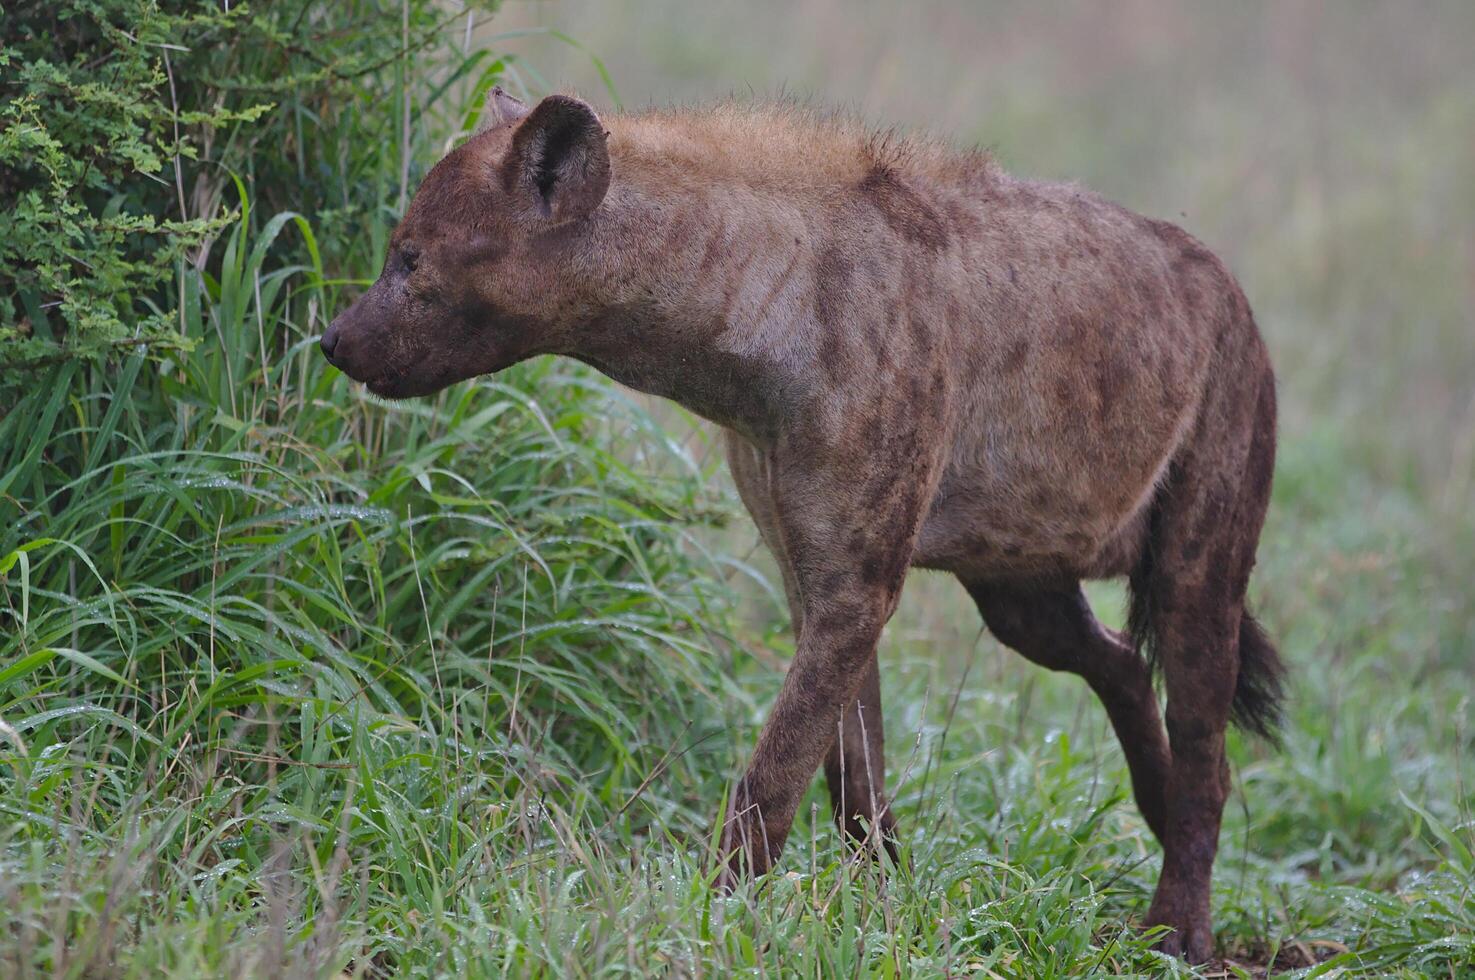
column 264, row 632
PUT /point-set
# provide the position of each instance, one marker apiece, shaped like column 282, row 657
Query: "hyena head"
column 483, row 270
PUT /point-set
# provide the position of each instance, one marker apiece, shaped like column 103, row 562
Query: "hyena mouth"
column 383, row 385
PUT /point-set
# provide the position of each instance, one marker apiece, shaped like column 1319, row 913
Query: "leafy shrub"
column 124, row 121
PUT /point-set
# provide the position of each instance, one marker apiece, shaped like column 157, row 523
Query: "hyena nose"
column 329, row 341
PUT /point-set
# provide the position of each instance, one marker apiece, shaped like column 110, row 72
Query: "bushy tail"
column 1259, row 690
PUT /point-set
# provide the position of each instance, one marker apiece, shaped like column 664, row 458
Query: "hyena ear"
column 559, row 164
column 501, row 108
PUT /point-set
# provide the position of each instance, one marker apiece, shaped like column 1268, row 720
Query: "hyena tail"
column 1259, row 689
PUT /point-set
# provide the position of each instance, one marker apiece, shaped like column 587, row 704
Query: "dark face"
column 477, row 275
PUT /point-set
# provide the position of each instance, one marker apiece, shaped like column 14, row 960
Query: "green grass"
column 296, row 683
column 295, row 734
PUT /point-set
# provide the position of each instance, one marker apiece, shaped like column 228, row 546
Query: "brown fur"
column 920, row 361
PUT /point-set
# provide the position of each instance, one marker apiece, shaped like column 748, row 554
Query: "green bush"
column 125, row 120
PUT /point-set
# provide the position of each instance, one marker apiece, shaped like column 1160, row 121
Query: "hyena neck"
column 684, row 316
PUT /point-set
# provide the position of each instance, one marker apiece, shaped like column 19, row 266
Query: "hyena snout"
column 329, row 341
column 355, row 342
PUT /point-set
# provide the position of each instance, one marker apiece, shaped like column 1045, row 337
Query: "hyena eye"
column 409, row 259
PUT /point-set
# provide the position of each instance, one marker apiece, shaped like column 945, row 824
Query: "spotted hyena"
column 918, row 361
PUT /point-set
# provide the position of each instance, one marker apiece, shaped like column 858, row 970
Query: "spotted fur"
column 919, row 360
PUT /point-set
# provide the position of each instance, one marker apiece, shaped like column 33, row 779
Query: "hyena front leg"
column 849, row 541
column 855, row 766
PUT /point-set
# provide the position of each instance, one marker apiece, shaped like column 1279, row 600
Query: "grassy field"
column 293, row 683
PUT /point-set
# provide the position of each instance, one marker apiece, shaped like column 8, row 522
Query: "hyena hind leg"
column 1218, row 666
column 1055, row 628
